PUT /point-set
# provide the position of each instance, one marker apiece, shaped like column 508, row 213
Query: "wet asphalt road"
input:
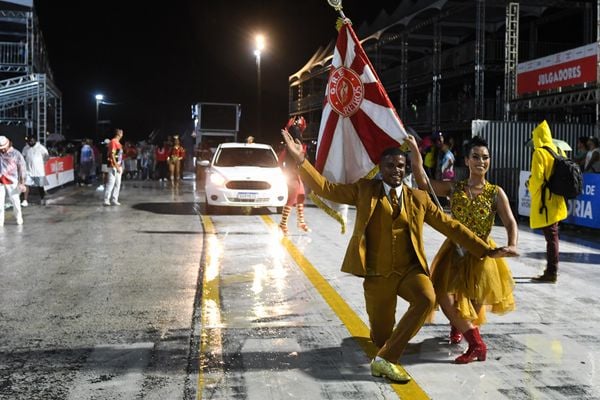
column 96, row 302
column 151, row 300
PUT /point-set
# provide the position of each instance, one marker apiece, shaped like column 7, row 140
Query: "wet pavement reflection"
column 96, row 302
column 282, row 340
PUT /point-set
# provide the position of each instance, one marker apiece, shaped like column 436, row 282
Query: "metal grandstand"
column 445, row 63
column 30, row 102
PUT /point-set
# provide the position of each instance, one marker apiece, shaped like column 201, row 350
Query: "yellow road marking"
column 349, row 318
column 209, row 227
column 210, row 336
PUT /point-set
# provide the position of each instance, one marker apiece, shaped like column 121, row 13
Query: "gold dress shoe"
column 390, row 370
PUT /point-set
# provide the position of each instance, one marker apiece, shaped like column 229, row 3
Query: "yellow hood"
column 542, row 136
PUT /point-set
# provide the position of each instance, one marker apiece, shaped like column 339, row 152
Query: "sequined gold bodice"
column 476, row 214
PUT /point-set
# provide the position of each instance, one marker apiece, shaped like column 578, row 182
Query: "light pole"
column 99, row 98
column 260, row 45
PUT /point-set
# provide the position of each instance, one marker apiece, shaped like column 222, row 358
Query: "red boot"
column 477, row 349
column 455, row 336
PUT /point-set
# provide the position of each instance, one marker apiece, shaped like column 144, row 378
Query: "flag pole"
column 459, row 249
column 435, row 199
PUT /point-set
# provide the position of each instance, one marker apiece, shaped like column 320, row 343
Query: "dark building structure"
column 445, row 63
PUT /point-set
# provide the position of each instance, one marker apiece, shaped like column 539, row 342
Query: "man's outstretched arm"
column 337, row 192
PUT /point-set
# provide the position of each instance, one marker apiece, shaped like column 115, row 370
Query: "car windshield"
column 246, row 157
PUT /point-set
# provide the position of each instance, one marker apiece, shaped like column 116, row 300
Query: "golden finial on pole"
column 337, row 6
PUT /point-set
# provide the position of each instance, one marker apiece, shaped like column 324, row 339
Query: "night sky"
column 155, row 60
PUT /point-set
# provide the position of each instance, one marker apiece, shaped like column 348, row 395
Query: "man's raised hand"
column 411, row 143
column 294, row 148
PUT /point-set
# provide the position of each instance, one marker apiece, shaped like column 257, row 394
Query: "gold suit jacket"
column 365, row 193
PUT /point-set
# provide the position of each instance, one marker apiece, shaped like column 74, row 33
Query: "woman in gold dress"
column 176, row 157
column 465, row 285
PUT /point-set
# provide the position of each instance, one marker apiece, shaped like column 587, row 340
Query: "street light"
column 99, row 98
column 260, row 46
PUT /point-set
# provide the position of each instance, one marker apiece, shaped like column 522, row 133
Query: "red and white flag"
column 359, row 120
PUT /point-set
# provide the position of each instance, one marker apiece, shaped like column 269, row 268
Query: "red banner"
column 572, row 67
column 57, row 165
column 59, row 170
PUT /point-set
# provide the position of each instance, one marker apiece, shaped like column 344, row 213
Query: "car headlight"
column 279, row 183
column 217, row 179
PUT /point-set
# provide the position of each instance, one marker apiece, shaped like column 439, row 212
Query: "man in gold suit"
column 386, row 248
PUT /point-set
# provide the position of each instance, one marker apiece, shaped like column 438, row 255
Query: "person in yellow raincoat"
column 547, row 209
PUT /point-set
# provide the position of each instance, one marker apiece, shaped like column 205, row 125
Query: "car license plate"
column 247, row 196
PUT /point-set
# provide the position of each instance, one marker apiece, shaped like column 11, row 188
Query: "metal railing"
column 13, row 54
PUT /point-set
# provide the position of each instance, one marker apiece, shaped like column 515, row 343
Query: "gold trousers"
column 381, row 294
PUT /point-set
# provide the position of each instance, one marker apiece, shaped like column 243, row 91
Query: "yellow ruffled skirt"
column 487, row 282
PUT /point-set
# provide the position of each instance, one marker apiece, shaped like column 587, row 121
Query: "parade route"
column 155, row 299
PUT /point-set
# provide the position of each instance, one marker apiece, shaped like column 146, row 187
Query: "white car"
column 244, row 175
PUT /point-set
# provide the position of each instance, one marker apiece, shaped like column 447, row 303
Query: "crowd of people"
column 106, row 163
column 142, row 160
column 440, row 155
column 587, row 154
column 148, row 163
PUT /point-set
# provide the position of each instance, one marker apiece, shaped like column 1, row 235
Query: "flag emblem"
column 345, row 91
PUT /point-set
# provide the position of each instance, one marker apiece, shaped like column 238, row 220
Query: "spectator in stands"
column 429, row 152
column 446, row 162
column 592, row 158
column 581, row 151
column 87, row 163
column 145, row 155
column 104, row 166
column 115, row 171
column 12, row 178
column 161, row 155
column 35, row 155
column 97, row 160
column 130, row 159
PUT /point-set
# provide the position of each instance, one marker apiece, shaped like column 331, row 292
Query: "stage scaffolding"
column 30, row 102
